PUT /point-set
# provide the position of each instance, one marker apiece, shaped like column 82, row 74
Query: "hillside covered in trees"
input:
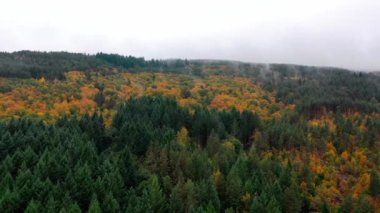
column 112, row 133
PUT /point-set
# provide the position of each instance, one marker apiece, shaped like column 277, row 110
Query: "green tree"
column 94, row 205
column 206, row 194
column 100, row 99
column 176, row 200
column 257, row 205
column 110, row 204
column 374, row 186
column 213, row 144
column 154, row 194
column 74, row 208
column 234, row 187
column 188, row 193
column 291, row 199
column 363, row 205
column 33, row 207
column 325, row 208
column 348, row 204
column 9, row 201
column 51, row 205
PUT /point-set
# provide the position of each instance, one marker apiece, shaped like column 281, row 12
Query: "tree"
column 286, row 176
column 154, row 194
column 206, row 194
column 183, row 136
column 83, row 186
column 6, row 183
column 33, row 207
column 199, row 167
column 51, row 205
column 347, row 205
column 74, row 208
column 176, row 200
column 100, row 99
column 136, row 134
column 9, row 201
column 374, row 185
column 94, row 205
column 256, row 206
column 127, row 167
column 185, row 93
column 291, row 199
column 110, row 204
column 234, row 187
column 363, row 205
column 248, row 123
column 325, row 208
column 213, row 144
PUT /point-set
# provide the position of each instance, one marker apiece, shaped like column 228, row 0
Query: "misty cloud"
column 324, row 33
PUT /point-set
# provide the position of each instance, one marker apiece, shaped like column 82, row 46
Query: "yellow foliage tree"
column 183, row 136
column 362, row 183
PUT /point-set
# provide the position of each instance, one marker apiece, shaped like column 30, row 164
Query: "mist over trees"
column 112, row 133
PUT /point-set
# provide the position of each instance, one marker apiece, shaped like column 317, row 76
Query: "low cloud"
column 323, row 33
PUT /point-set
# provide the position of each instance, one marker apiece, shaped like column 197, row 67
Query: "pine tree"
column 199, row 167
column 188, row 193
column 374, row 186
column 6, row 183
column 163, row 162
column 127, row 167
column 363, row 205
column 155, row 195
column 257, row 205
column 33, row 207
column 234, row 187
column 206, row 194
column 175, row 200
column 325, row 208
column 110, row 204
column 286, row 176
column 273, row 206
column 51, row 205
column 347, row 204
column 213, row 144
column 94, row 205
column 74, row 208
column 9, row 201
column 210, row 208
column 83, row 185
column 291, row 199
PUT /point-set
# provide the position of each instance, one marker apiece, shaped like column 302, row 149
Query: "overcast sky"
column 341, row 33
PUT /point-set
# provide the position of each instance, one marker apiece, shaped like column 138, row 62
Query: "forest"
column 113, row 133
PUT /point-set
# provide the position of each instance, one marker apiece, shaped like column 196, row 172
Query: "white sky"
column 342, row 33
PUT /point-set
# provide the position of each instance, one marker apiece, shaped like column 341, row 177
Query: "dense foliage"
column 158, row 156
column 29, row 64
column 314, row 89
column 53, row 65
column 77, row 161
column 124, row 134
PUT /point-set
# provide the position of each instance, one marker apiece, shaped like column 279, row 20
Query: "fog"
column 339, row 33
